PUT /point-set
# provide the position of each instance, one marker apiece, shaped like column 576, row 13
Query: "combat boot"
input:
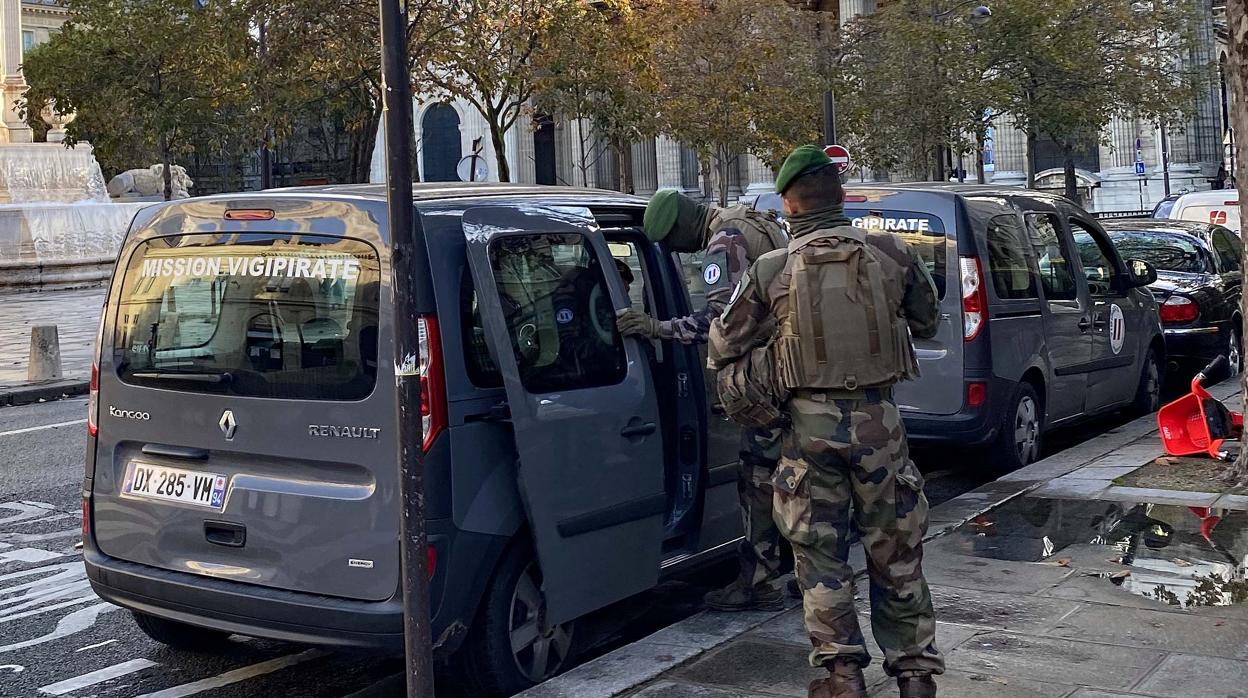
column 846, row 681
column 739, row 596
column 916, row 685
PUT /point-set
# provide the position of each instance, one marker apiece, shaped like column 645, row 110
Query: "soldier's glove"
column 633, row 323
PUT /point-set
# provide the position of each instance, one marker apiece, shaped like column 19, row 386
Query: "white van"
column 1217, row 207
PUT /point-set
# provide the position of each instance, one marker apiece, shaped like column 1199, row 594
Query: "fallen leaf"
column 1119, row 575
column 1167, row 461
column 1064, row 562
column 1181, row 562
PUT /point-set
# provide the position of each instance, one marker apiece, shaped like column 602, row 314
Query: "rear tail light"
column 431, row 561
column 1178, row 310
column 974, row 298
column 242, row 214
column 976, row 394
column 93, row 401
column 432, row 381
column 854, row 198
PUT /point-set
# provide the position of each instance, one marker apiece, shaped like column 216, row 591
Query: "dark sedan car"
column 1197, row 288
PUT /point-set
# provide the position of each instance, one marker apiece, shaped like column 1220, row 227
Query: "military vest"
column 762, row 230
column 837, row 301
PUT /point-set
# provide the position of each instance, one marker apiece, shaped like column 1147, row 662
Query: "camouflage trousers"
column 759, row 551
column 843, row 460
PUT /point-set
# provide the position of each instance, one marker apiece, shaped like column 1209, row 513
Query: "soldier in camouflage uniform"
column 845, row 455
column 732, row 238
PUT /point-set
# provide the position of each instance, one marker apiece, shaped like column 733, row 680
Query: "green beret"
column 661, row 214
column 802, row 161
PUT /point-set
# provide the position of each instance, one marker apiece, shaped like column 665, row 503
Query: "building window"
column 28, row 40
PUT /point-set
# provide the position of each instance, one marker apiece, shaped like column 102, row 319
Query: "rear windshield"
column 257, row 315
column 1165, row 251
column 924, row 233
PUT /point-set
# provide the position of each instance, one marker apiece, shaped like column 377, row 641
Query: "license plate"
column 174, row 485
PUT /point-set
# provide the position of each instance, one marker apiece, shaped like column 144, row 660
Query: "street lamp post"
column 411, row 296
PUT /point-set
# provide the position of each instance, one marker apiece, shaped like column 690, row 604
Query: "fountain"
column 58, row 225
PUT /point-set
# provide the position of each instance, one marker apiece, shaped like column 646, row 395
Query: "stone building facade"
column 549, row 151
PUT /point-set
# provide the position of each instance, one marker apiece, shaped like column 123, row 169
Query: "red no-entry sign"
column 840, row 157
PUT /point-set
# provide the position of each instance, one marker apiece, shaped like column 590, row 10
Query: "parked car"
column 242, row 475
column 1198, row 285
column 1217, row 206
column 1164, row 207
column 1043, row 323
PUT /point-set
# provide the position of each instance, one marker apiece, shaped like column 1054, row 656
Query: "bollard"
column 45, row 354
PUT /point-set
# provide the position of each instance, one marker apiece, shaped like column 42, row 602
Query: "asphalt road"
column 57, row 638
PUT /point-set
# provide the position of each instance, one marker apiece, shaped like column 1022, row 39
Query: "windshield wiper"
column 224, row 377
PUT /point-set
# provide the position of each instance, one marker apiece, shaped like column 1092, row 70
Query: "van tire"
column 486, row 663
column 1148, row 392
column 1020, row 439
column 179, row 635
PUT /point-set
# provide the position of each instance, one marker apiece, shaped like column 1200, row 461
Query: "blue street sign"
column 1139, row 167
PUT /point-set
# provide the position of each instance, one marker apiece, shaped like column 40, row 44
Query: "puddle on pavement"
column 1181, row 556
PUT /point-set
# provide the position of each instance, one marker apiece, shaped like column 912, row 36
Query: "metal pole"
column 410, row 294
column 266, row 155
column 829, row 118
column 1165, row 159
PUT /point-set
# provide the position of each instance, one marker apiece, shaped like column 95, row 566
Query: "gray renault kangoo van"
column 1043, row 324
column 241, row 474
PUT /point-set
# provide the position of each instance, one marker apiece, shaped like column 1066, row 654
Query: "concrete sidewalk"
column 76, row 315
column 1027, row 606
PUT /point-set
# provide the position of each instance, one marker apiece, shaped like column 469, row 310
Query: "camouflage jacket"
column 738, row 238
column 760, row 302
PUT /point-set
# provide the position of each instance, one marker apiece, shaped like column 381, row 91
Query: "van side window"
column 1098, row 265
column 482, row 370
column 558, row 312
column 1012, row 274
column 1228, row 250
column 1056, row 275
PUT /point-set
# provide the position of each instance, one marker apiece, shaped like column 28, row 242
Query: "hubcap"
column 1026, row 429
column 538, row 649
column 1153, row 385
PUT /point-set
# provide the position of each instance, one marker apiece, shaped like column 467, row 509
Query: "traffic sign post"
column 840, row 158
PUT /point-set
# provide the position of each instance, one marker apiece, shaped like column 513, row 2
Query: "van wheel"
column 511, row 647
column 1148, row 394
column 179, row 635
column 1018, row 443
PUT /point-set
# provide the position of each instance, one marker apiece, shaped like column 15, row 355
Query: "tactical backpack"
column 843, row 329
column 768, row 231
column 749, row 392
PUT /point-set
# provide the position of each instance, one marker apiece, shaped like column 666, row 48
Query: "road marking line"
column 60, row 688
column 96, row 645
column 236, row 675
column 28, row 555
column 53, row 607
column 27, row 430
column 71, row 623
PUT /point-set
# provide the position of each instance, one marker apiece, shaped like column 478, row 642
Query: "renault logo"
column 228, row 425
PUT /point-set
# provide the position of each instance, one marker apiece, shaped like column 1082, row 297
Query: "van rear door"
column 939, row 389
column 582, row 402
column 241, row 434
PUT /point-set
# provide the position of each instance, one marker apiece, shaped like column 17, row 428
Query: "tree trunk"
column 722, row 168
column 1237, row 25
column 980, row 175
column 1031, row 158
column 1068, row 171
column 625, row 159
column 166, row 162
column 708, row 182
column 363, row 140
column 938, row 159
column 500, row 151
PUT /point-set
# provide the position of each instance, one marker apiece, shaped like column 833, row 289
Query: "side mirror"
column 1142, row 273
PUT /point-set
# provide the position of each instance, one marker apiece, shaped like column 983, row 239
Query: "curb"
column 630, row 667
column 42, row 392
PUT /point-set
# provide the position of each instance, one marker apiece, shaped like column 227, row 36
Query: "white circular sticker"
column 711, row 274
column 1117, row 328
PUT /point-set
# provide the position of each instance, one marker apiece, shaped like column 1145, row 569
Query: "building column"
column 1120, row 188
column 15, row 129
column 759, row 177
column 1009, row 152
column 851, row 9
column 645, row 167
column 667, row 163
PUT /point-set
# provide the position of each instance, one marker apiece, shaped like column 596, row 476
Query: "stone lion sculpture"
column 150, row 182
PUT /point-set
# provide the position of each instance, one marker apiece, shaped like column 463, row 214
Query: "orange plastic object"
column 1197, row 423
